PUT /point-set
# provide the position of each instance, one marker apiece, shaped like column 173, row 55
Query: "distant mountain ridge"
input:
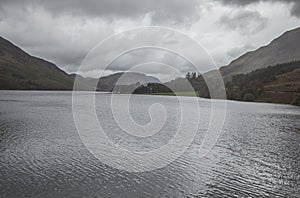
column 107, row 83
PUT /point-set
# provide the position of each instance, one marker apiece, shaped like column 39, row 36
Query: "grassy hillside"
column 19, row 70
column 276, row 84
column 283, row 49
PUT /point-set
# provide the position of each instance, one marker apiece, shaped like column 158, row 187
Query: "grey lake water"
column 42, row 155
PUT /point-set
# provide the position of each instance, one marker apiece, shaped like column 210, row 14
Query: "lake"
column 42, row 155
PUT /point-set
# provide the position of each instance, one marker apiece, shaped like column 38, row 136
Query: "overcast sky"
column 64, row 31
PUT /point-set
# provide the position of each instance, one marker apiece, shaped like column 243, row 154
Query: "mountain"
column 107, row 83
column 20, row 70
column 270, row 73
column 283, row 49
column 275, row 84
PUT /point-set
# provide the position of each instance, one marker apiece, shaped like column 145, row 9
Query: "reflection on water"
column 42, row 155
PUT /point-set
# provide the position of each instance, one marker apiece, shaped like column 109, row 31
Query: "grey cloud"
column 151, row 61
column 247, row 22
column 45, row 28
column 145, row 55
column 176, row 12
column 237, row 51
column 137, row 54
column 238, row 2
column 295, row 9
column 64, row 40
column 65, row 31
column 163, row 11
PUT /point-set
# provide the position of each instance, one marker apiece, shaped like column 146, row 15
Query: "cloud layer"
column 164, row 11
column 295, row 9
column 65, row 31
column 244, row 21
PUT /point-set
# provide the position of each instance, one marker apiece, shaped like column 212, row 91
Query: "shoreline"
column 183, row 94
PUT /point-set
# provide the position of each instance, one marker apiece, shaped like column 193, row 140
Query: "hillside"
column 21, row 71
column 276, row 84
column 269, row 74
column 283, row 49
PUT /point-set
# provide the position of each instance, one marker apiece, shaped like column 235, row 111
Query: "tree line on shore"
column 279, row 83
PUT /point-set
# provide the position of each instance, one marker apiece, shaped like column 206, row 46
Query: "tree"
column 249, row 97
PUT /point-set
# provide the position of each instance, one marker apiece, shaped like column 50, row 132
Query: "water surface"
column 42, row 154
